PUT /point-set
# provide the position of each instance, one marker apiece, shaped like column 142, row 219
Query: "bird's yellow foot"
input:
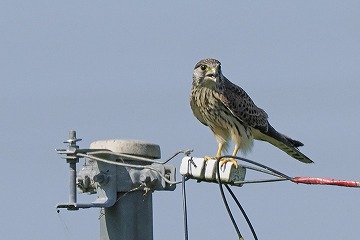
column 207, row 158
column 223, row 161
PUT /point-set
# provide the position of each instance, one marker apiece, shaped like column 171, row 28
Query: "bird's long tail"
column 288, row 145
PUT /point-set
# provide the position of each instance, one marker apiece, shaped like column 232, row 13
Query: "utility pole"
column 131, row 215
column 124, row 174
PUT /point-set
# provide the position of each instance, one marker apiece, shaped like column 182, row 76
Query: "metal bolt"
column 87, row 182
column 72, row 134
column 144, row 178
column 72, row 139
column 99, row 178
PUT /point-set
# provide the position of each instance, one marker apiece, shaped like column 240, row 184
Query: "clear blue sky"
column 122, row 69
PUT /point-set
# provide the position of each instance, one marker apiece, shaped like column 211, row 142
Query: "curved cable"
column 138, row 158
column 124, row 155
column 128, row 165
column 260, row 181
column 242, row 211
column 257, row 169
column 186, row 152
column 259, row 165
column 225, row 201
column 184, row 208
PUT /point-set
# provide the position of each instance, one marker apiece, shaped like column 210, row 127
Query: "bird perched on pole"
column 231, row 114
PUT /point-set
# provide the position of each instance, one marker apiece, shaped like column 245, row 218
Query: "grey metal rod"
column 72, row 182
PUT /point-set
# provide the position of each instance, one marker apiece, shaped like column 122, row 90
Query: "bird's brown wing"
column 241, row 106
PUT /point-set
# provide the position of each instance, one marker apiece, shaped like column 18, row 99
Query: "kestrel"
column 231, row 114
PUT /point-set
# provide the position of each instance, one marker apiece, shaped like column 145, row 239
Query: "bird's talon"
column 225, row 160
column 207, row 158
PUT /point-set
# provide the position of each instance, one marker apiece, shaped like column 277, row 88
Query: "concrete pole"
column 131, row 217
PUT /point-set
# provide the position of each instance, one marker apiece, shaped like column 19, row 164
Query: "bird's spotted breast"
column 209, row 109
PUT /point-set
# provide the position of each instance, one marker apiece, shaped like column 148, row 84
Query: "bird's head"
column 207, row 73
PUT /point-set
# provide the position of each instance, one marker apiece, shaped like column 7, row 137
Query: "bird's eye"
column 203, row 67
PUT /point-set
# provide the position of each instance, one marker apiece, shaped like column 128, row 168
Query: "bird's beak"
column 212, row 74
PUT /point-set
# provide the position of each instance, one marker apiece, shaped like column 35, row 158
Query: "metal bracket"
column 102, row 180
column 106, row 190
column 107, row 179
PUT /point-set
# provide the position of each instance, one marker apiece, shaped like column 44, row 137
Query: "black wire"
column 262, row 170
column 225, row 201
column 242, row 211
column 260, row 181
column 259, row 165
column 269, row 170
column 184, row 207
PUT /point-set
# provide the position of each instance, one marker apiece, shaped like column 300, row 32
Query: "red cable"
column 325, row 181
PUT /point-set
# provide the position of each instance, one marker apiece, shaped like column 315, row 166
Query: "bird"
column 232, row 115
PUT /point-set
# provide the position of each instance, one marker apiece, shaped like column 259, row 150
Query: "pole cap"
column 131, row 147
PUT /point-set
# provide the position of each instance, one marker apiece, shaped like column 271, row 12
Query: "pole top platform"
column 131, row 147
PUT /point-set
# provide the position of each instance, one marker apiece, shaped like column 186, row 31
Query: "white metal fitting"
column 200, row 169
